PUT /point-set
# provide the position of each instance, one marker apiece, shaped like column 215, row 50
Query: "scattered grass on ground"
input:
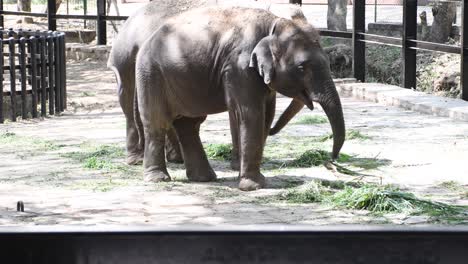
column 310, row 192
column 31, row 143
column 218, row 151
column 310, row 120
column 452, row 186
column 100, row 185
column 87, row 94
column 105, row 158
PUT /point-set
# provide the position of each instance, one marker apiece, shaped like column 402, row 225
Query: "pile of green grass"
column 311, row 120
column 350, row 135
column 218, row 151
column 377, row 199
column 315, row 157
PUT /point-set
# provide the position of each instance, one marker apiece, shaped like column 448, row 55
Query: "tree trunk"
column 57, row 6
column 298, row 2
column 25, row 6
column 444, row 14
column 336, row 16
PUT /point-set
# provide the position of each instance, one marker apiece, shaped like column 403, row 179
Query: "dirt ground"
column 56, row 168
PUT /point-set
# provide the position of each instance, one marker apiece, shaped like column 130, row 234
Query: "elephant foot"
column 252, row 183
column 156, row 176
column 235, row 164
column 174, row 157
column 206, row 175
column 134, row 159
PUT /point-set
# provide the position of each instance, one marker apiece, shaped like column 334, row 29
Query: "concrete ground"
column 422, row 154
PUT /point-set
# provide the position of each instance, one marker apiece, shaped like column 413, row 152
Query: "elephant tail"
column 138, row 123
column 294, row 107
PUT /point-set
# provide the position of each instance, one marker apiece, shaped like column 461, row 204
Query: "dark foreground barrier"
column 33, row 79
column 256, row 244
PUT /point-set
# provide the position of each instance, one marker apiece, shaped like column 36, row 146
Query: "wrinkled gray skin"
column 212, row 60
column 133, row 33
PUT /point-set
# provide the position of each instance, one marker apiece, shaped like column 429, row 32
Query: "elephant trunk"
column 294, row 107
column 331, row 104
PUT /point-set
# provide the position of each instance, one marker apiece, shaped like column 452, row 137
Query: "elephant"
column 136, row 29
column 133, row 33
column 211, row 60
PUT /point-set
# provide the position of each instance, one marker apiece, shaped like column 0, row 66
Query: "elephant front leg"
column 196, row 163
column 252, row 138
column 154, row 162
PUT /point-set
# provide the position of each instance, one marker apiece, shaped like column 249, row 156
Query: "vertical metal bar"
column 85, row 11
column 43, row 49
column 22, row 63
column 51, row 11
column 50, row 65
column 63, row 71
column 57, row 84
column 2, row 119
column 410, row 8
column 359, row 47
column 11, row 48
column 101, row 22
column 375, row 11
column 2, row 24
column 33, row 49
column 464, row 52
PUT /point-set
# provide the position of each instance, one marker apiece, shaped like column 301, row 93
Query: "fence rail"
column 408, row 42
column 254, row 244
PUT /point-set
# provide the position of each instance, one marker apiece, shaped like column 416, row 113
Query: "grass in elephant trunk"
column 376, row 199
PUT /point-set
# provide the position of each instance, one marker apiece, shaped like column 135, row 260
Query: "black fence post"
column 51, row 11
column 51, row 74
column 410, row 8
column 2, row 119
column 101, row 22
column 359, row 47
column 43, row 50
column 33, row 48
column 11, row 58
column 1, row 16
column 22, row 64
column 464, row 52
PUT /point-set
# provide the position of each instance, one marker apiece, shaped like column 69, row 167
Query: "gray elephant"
column 133, row 33
column 211, row 60
column 136, row 29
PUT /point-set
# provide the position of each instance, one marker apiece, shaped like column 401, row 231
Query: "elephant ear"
column 262, row 59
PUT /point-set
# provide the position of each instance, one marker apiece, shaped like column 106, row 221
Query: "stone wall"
column 79, row 51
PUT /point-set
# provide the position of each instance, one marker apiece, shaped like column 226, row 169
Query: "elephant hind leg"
column 154, row 162
column 196, row 162
column 126, row 90
column 173, row 151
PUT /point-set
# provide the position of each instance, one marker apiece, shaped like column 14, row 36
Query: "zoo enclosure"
column 408, row 42
column 35, row 61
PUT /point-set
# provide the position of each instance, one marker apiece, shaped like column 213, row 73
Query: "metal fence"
column 35, row 83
